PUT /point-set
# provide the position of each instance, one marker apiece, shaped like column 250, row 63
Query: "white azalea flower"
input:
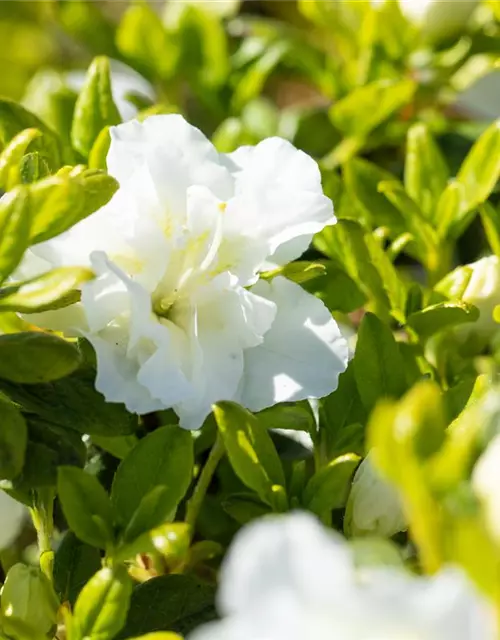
column 287, row 578
column 437, row 19
column 177, row 315
column 124, row 82
column 485, row 481
column 374, row 505
column 12, row 515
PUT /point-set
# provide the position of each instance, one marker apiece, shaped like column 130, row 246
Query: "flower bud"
column 437, row 19
column 373, row 507
column 28, row 597
column 478, row 284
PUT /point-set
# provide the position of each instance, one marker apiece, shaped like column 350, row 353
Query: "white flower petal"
column 279, row 556
column 168, row 141
column 12, row 515
column 278, row 196
column 302, row 355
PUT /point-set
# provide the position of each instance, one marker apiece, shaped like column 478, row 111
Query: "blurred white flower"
column 12, row 515
column 374, row 506
column 177, row 314
column 125, row 82
column 437, row 19
column 288, row 578
column 485, row 482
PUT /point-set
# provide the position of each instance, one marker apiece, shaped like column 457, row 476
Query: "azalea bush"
column 249, row 307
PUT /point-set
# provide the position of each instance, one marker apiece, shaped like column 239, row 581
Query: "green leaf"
column 33, row 357
column 252, row 82
column 33, row 167
column 425, row 236
column 378, row 363
column 52, row 290
column 12, row 155
column 336, row 289
column 99, row 152
column 15, row 226
column 298, row 271
column 13, row 440
column 362, row 179
column 393, row 285
column 178, row 603
column 28, row 597
column 365, row 108
column 14, row 119
column 451, row 210
column 443, row 315
column 152, row 480
column 86, row 506
column 295, row 415
column 59, row 202
column 250, row 450
column 145, row 43
column 480, row 170
column 73, row 403
column 426, row 173
column 95, row 108
column 49, row 447
column 329, row 487
column 340, row 410
column 74, row 564
column 101, row 608
column 490, row 217
column 345, row 242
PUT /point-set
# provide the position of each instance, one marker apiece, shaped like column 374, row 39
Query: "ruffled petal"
column 302, row 355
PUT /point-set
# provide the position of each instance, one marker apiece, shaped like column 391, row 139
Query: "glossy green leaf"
column 336, row 289
column 14, row 119
column 151, row 481
column 145, row 43
column 339, row 411
column 365, row 108
column 329, row 487
column 490, row 217
column 426, row 173
column 176, row 603
column 95, row 107
column 13, row 440
column 250, row 450
column 101, row 608
column 73, row 402
column 443, row 315
column 345, row 242
column 15, row 229
column 425, row 237
column 362, row 179
column 11, row 157
column 480, row 170
column 74, row 564
column 59, row 202
column 33, row 167
column 35, row 357
column 377, row 362
column 28, row 597
column 52, row 290
column 451, row 209
column 49, row 447
column 86, row 506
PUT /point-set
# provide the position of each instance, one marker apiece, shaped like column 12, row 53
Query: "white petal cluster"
column 177, row 314
column 287, row 578
column 374, row 505
column 12, row 515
